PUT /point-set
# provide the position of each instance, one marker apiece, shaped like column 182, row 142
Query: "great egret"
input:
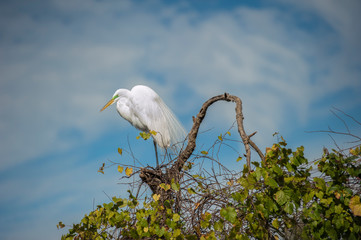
column 146, row 111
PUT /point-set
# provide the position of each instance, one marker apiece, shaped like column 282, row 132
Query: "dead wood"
column 154, row 177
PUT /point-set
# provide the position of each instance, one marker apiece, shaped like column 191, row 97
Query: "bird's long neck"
column 125, row 109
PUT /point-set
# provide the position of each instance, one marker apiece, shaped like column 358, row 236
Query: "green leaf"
column 204, row 152
column 270, row 205
column 276, row 223
column 229, row 213
column 277, row 170
column 60, row 225
column 258, row 173
column 176, row 233
column 256, row 164
column 288, row 208
column 281, row 197
column 320, row 183
column 204, row 224
column 339, row 222
column 308, row 196
column 175, row 186
column 237, row 196
column 271, row 182
column 160, row 231
column 218, row 226
column 331, row 230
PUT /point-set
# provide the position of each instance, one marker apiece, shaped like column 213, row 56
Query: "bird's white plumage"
column 145, row 110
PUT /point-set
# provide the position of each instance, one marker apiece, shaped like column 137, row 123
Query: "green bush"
column 283, row 197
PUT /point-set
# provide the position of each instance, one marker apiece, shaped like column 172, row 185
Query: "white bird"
column 146, row 111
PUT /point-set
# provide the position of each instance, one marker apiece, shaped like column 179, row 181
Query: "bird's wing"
column 155, row 114
column 169, row 124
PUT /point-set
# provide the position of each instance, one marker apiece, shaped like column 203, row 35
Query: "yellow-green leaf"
column 356, row 151
column 128, row 171
column 153, row 132
column 144, row 135
column 204, row 152
column 175, row 186
column 120, row 169
column 177, row 232
column 220, row 137
column 228, row 133
column 60, row 225
column 239, row 159
column 275, row 224
column 191, row 191
column 176, row 217
column 156, row 197
column 164, row 186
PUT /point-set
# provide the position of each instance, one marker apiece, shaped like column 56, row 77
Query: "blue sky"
column 60, row 61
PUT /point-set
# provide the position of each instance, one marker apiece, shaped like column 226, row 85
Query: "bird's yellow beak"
column 108, row 104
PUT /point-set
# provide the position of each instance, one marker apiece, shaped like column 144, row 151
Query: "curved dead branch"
column 153, row 177
column 187, row 152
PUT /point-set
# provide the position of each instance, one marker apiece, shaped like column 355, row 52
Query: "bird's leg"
column 156, row 153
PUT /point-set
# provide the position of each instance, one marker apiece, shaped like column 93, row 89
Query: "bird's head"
column 119, row 93
column 111, row 101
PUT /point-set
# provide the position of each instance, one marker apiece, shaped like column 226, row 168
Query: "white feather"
column 146, row 111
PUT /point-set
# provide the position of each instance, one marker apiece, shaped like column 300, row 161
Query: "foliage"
column 124, row 217
column 282, row 197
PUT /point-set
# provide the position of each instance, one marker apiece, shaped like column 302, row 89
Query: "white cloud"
column 247, row 52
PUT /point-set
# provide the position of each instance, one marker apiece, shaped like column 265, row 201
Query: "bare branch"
column 173, row 170
column 187, row 152
column 347, row 115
